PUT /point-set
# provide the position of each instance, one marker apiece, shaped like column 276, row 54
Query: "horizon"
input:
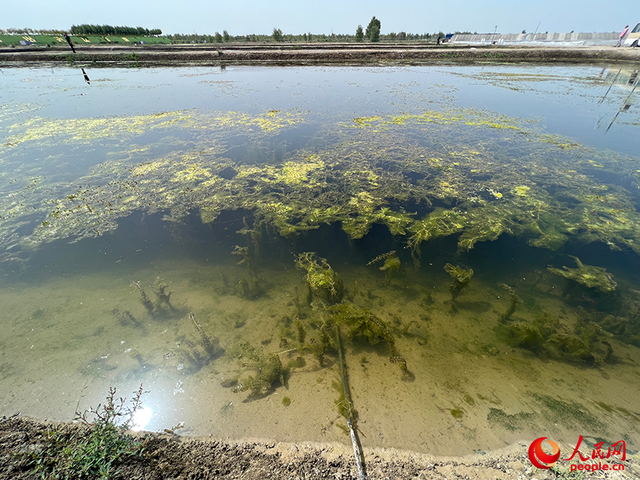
column 252, row 17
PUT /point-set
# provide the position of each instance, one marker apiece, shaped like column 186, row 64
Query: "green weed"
column 95, row 449
column 567, row 474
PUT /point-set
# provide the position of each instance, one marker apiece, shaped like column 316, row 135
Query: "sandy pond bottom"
column 465, row 391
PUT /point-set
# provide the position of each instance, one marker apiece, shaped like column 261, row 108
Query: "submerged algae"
column 88, row 129
column 267, row 369
column 461, row 277
column 322, row 281
column 547, row 337
column 411, row 182
column 390, row 266
column 588, row 275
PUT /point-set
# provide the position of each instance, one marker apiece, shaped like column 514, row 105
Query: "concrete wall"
column 538, row 38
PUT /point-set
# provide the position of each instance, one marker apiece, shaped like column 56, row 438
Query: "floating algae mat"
column 220, row 236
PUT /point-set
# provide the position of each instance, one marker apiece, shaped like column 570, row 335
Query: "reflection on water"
column 478, row 267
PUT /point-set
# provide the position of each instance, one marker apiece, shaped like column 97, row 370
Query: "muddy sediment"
column 311, row 54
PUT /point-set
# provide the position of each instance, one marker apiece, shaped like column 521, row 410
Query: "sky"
column 241, row 17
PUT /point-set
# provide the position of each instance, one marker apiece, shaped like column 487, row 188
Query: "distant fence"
column 537, row 38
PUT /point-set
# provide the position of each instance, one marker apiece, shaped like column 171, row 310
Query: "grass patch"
column 94, row 449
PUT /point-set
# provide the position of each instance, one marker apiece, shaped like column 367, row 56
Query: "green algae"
column 587, row 275
column 361, row 323
column 439, row 223
column 39, row 129
column 518, row 421
column 322, row 281
column 420, row 192
column 457, row 413
column 259, row 371
column 547, row 337
column 567, row 411
column 318, row 334
column 461, row 277
column 513, row 303
column 390, row 266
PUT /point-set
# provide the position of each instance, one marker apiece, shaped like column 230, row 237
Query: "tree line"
column 373, row 33
column 298, row 38
column 86, row 29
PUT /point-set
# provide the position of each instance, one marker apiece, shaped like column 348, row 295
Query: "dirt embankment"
column 171, row 456
column 311, row 54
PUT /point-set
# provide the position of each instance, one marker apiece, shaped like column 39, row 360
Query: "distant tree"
column 359, row 34
column 402, row 36
column 277, row 35
column 391, row 36
column 369, row 33
column 218, row 37
column 374, row 34
column 226, row 36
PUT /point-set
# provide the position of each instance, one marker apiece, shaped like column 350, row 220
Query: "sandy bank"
column 171, row 456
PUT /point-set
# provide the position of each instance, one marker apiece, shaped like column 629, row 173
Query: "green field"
column 78, row 40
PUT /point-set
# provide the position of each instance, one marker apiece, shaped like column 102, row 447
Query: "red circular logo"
column 541, row 459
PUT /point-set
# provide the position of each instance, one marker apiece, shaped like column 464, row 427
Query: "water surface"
column 210, row 233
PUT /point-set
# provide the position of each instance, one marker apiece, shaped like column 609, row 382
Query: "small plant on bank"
column 567, row 474
column 96, row 449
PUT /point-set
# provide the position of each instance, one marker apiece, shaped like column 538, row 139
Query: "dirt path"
column 312, row 54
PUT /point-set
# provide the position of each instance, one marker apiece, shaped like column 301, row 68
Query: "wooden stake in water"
column 607, row 92
column 625, row 104
column 354, row 439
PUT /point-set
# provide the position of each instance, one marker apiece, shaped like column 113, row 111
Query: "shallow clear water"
column 153, row 181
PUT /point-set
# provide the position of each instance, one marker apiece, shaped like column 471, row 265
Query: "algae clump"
column 267, row 369
column 323, row 282
column 587, row 275
column 461, row 277
column 390, row 266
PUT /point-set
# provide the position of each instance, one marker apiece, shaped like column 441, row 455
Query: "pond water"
column 470, row 235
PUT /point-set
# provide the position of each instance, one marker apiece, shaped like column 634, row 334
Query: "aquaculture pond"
column 467, row 236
